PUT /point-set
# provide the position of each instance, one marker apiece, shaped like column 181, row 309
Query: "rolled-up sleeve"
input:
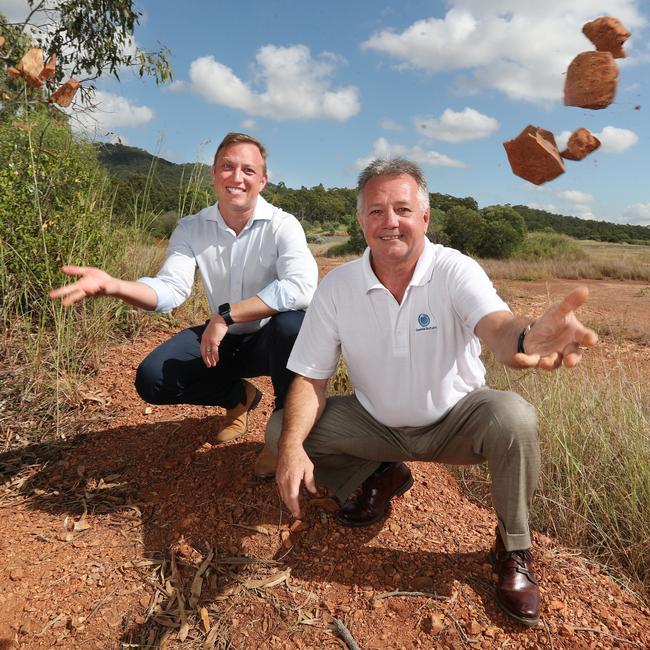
column 296, row 270
column 173, row 283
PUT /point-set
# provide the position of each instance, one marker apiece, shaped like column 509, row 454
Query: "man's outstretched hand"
column 558, row 336
column 92, row 282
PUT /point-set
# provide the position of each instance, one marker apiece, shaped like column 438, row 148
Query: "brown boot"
column 236, row 423
column 517, row 591
column 265, row 464
column 373, row 503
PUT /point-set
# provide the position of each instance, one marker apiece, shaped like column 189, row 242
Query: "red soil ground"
column 102, row 537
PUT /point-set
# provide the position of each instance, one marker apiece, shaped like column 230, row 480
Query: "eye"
column 403, row 210
column 227, row 166
column 374, row 213
column 249, row 171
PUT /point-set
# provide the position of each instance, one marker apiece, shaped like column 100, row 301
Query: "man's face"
column 238, row 177
column 392, row 220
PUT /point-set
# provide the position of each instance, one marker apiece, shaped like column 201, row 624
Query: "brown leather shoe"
column 265, row 464
column 517, row 591
column 390, row 480
column 236, row 423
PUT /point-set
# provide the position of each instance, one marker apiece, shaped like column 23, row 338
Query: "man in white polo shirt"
column 259, row 276
column 407, row 318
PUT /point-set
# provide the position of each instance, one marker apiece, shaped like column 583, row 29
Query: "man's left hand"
column 558, row 336
column 211, row 339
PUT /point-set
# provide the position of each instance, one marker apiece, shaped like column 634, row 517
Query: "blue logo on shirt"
column 424, row 320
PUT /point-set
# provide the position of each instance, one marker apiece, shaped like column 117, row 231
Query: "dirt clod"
column 533, row 155
column 591, row 80
column 608, row 35
column 581, row 143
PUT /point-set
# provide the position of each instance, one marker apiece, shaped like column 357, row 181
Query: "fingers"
column 210, row 354
column 573, row 300
column 310, row 483
column 289, row 491
column 550, row 361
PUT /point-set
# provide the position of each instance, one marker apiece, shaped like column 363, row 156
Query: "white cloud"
column 638, row 214
column 574, row 196
column 250, row 125
column 562, row 140
column 390, row 125
column 384, row 149
column 295, row 85
column 519, row 47
column 582, row 211
column 614, row 140
column 456, row 127
column 108, row 112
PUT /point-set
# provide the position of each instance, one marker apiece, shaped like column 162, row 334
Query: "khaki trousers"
column 347, row 445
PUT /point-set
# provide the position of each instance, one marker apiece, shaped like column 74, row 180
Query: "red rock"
column 591, row 80
column 64, row 95
column 608, row 35
column 533, row 155
column 581, row 143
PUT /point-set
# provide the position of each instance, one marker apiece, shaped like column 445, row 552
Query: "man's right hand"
column 93, row 282
column 294, row 467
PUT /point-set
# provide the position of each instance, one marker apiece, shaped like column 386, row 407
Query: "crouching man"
column 259, row 276
column 407, row 318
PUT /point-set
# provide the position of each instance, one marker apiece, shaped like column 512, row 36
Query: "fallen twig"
column 345, row 634
column 611, row 636
column 548, row 632
column 464, row 638
column 390, row 594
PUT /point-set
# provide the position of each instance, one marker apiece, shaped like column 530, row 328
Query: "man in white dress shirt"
column 408, row 318
column 259, row 276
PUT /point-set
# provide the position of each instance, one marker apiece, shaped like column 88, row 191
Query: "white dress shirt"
column 269, row 258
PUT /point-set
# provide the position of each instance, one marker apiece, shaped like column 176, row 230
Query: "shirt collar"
column 263, row 211
column 421, row 274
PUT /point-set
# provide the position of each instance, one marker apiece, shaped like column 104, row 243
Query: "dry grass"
column 602, row 261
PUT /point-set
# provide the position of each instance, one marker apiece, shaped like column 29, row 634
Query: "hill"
column 184, row 188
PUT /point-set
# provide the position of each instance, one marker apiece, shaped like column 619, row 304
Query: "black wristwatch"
column 224, row 312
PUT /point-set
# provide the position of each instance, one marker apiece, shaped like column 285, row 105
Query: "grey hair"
column 394, row 167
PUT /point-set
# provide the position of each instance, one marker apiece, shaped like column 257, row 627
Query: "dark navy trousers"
column 174, row 373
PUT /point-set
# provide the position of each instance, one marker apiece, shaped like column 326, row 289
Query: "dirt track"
column 154, row 486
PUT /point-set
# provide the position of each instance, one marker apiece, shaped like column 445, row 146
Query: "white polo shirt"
column 409, row 363
column 269, row 258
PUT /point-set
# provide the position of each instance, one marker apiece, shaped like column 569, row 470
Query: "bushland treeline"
column 168, row 188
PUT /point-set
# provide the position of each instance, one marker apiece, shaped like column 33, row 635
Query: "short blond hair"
column 240, row 138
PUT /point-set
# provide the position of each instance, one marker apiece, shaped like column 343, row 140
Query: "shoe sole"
column 528, row 622
column 405, row 487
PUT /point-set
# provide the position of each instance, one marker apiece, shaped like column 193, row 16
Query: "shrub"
column 550, row 245
column 53, row 210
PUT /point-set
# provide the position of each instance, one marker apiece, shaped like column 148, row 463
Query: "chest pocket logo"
column 425, row 323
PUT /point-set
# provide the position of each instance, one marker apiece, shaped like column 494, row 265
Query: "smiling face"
column 238, row 177
column 393, row 220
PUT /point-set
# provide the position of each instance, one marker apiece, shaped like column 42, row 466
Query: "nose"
column 237, row 173
column 391, row 219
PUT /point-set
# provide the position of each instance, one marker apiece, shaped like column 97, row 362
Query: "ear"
column 426, row 216
column 263, row 181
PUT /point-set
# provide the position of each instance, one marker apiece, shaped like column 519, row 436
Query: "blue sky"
column 329, row 85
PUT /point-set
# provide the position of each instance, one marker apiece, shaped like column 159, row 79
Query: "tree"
column 499, row 241
column 464, row 227
column 87, row 38
column 504, row 232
